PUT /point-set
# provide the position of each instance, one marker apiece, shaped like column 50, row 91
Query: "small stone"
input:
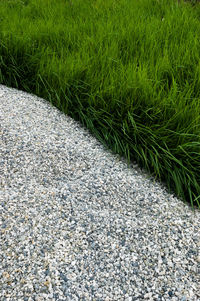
column 46, row 283
column 6, row 275
column 148, row 295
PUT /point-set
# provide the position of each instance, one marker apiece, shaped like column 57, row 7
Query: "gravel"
column 77, row 223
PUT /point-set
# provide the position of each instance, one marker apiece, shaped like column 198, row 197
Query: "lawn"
column 128, row 70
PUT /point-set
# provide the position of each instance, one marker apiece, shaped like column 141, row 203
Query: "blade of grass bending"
column 132, row 121
column 191, row 198
column 144, row 159
column 170, row 155
column 196, row 200
column 118, row 142
column 154, row 160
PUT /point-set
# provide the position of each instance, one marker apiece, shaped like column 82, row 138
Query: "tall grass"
column 128, row 70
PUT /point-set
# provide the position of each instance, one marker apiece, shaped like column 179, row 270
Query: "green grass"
column 129, row 70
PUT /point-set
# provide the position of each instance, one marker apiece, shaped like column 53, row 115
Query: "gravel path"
column 78, row 224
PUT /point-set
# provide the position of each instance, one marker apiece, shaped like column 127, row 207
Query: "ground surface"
column 78, row 224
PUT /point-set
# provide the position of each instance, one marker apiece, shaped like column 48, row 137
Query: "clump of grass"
column 128, row 70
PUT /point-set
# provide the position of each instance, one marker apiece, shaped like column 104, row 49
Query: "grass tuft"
column 128, row 70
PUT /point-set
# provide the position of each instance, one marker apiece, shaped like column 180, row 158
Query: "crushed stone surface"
column 76, row 223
